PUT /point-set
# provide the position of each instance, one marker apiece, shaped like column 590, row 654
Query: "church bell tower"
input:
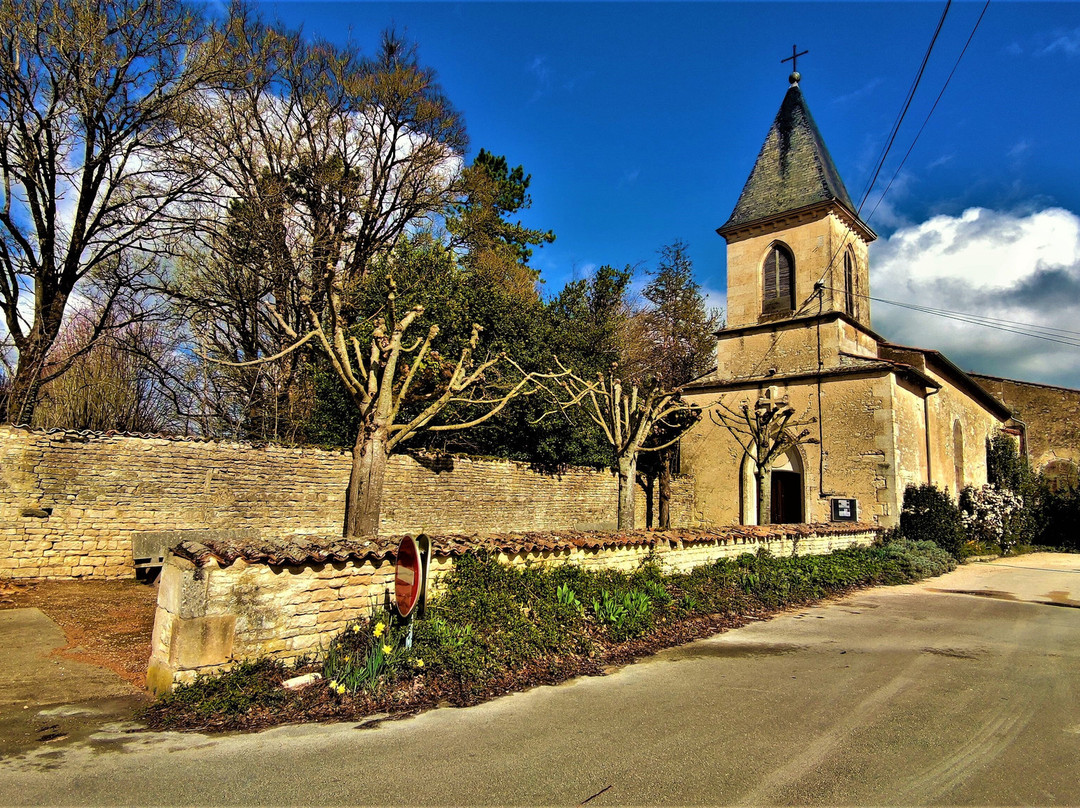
column 796, row 244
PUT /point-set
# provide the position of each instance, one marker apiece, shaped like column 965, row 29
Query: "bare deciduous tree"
column 764, row 432
column 111, row 382
column 94, row 95
column 318, row 162
column 628, row 417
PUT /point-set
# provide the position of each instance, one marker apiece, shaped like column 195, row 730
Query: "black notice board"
column 845, row 509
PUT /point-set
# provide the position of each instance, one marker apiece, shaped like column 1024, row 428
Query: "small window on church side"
column 778, row 287
column 849, row 284
column 958, row 454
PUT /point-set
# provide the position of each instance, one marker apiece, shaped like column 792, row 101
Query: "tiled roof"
column 300, row 550
column 793, row 169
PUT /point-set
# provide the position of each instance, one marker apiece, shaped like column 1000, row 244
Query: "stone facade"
column 76, row 505
column 1051, row 416
column 815, row 240
column 213, row 611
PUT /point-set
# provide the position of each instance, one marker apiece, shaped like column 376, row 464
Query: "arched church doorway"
column 785, row 490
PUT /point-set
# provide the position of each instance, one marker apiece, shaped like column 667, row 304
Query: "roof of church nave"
column 902, row 360
column 793, row 170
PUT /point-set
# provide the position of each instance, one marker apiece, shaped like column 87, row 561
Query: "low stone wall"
column 223, row 599
column 84, row 505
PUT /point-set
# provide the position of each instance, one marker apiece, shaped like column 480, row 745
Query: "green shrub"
column 929, row 514
column 1057, row 514
column 491, row 620
column 490, row 617
column 248, row 685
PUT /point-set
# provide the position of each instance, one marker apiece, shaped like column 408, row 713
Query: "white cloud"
column 543, row 75
column 940, row 161
column 1064, row 42
column 715, row 299
column 859, row 93
column 1021, row 268
column 1020, row 148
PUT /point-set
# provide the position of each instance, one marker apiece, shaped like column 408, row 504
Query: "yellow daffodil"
column 419, row 663
column 386, row 649
column 379, row 629
column 348, row 658
column 333, row 684
column 341, row 690
column 356, row 629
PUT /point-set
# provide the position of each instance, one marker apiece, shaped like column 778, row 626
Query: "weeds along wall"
column 77, row 505
column 221, row 601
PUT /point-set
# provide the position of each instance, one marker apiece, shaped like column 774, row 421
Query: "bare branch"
column 265, row 360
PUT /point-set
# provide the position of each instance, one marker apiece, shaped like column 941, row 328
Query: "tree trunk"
column 363, row 502
column 25, row 386
column 627, row 481
column 664, row 480
column 764, row 497
column 648, row 482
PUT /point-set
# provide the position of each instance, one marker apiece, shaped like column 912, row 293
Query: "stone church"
column 873, row 416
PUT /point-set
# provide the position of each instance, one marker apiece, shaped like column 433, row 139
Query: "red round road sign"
column 408, row 576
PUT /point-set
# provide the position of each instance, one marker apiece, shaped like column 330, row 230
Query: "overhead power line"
column 906, row 106
column 1061, row 336
column 918, row 134
column 881, row 162
column 895, row 130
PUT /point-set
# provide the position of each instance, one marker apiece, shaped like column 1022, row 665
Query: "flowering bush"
column 991, row 516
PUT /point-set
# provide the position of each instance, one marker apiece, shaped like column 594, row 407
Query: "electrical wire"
column 1061, row 336
column 817, row 293
column 918, row 134
column 907, row 105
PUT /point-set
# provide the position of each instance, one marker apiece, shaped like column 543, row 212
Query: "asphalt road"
column 961, row 690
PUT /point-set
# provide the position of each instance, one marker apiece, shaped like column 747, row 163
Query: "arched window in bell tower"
column 849, row 283
column 778, row 280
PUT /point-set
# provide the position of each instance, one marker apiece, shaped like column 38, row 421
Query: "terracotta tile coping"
column 300, row 550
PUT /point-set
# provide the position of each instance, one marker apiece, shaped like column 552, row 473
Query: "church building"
column 867, row 417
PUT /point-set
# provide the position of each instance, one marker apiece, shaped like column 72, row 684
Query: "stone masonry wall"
column 1052, row 416
column 78, row 505
column 213, row 612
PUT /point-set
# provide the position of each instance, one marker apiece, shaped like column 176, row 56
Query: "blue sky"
column 640, row 122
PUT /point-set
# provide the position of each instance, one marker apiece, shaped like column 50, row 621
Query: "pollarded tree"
column 764, row 432
column 383, row 376
column 94, row 96
column 628, row 417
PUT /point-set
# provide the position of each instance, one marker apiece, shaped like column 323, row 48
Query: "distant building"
column 798, row 329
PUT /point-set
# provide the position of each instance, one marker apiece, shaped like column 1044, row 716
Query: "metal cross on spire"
column 794, row 59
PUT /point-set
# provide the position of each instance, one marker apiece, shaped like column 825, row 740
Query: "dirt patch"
column 106, row 623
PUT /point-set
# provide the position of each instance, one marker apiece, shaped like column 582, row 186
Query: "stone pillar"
column 188, row 636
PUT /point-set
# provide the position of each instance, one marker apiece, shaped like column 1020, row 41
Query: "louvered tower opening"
column 778, row 283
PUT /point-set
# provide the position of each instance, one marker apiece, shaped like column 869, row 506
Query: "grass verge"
column 494, row 628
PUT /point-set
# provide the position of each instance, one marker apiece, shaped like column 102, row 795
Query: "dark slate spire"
column 793, row 169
